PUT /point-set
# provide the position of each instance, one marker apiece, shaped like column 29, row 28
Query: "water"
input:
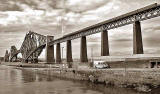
column 14, row 81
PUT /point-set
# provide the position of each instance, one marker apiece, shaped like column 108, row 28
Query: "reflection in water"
column 34, row 77
column 28, row 76
column 13, row 75
column 14, row 81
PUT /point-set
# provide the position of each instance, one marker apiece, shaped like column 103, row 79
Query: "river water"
column 15, row 81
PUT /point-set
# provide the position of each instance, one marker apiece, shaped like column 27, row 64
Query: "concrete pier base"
column 69, row 51
column 49, row 50
column 137, row 38
column 58, row 53
column 83, row 50
column 104, row 43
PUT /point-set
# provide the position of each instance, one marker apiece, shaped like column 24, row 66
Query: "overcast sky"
column 45, row 17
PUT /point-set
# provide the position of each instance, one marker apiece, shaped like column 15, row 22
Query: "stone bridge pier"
column 83, row 50
column 49, row 50
column 104, row 43
column 58, row 53
column 69, row 51
column 137, row 38
column 6, row 57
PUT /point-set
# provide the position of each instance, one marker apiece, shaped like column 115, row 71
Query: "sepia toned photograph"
column 79, row 46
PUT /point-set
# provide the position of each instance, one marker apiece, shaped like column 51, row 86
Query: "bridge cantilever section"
column 32, row 46
column 14, row 55
column 37, row 50
column 141, row 14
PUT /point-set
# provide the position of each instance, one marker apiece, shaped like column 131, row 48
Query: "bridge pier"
column 137, row 38
column 69, row 51
column 104, row 43
column 6, row 57
column 58, row 53
column 83, row 50
column 49, row 50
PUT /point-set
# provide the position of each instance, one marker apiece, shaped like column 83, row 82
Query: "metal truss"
column 13, row 52
column 32, row 45
column 145, row 13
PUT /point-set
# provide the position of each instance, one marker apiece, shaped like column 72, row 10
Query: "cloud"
column 83, row 5
column 9, row 39
column 9, row 6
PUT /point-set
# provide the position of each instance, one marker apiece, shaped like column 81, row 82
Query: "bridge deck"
column 114, row 19
column 141, row 14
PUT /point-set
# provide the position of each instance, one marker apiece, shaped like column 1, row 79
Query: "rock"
column 93, row 79
column 143, row 88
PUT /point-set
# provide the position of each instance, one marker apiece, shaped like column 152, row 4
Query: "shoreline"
column 142, row 80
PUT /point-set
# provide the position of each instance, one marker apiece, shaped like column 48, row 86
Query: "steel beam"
column 13, row 53
column 33, row 43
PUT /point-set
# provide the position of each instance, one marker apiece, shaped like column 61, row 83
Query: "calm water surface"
column 14, row 81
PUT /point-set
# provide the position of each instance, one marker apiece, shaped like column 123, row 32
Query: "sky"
column 46, row 17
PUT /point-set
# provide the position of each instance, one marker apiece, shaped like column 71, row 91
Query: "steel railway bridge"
column 34, row 43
